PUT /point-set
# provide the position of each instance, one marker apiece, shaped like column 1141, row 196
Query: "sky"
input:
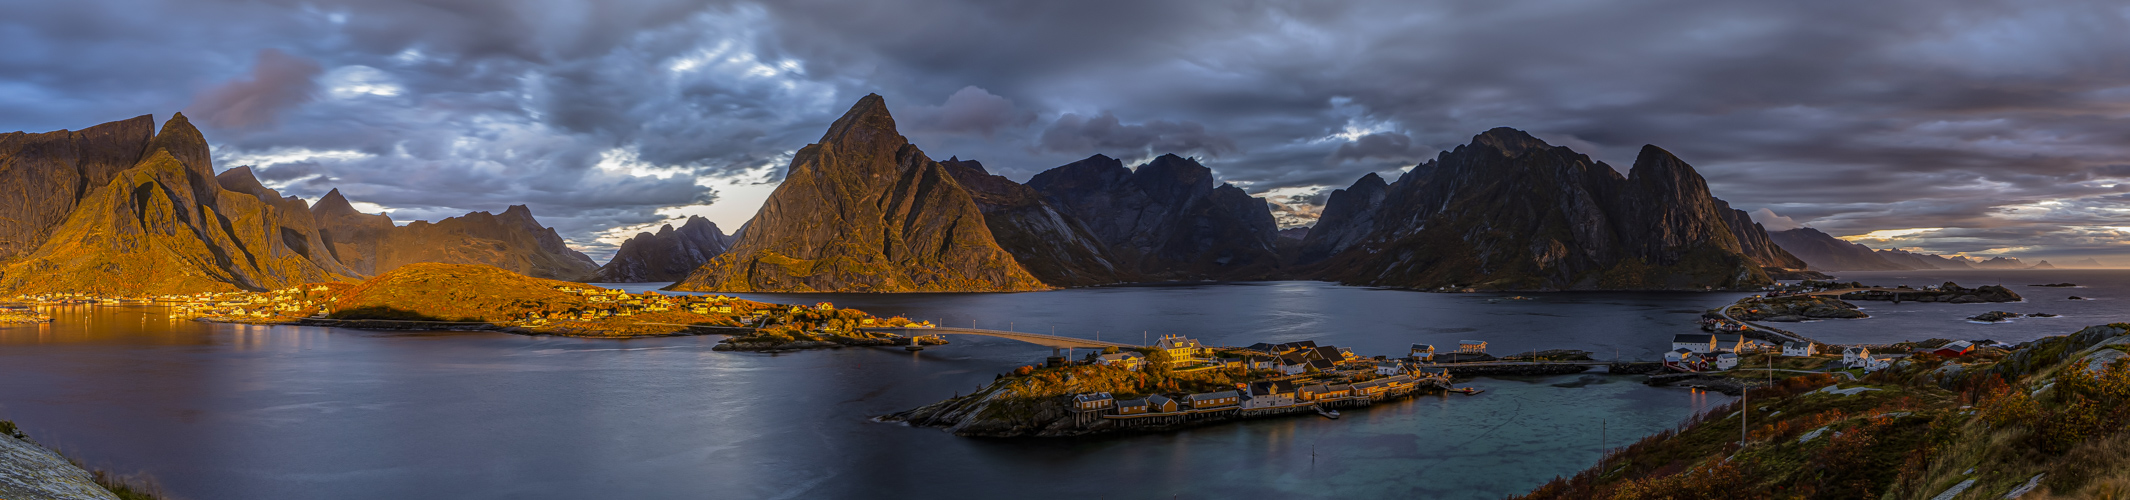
column 1948, row 126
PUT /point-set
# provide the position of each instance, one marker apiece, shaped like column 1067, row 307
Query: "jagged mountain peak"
column 867, row 121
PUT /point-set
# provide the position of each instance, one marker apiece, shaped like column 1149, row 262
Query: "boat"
column 1468, row 391
column 1330, row 414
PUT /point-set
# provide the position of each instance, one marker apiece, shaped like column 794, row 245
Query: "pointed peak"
column 1369, row 180
column 242, row 180
column 1180, row 167
column 517, row 210
column 867, row 119
column 665, row 229
column 184, row 142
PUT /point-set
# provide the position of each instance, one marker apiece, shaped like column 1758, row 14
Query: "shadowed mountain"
column 1056, row 248
column 863, row 210
column 1827, row 253
column 1924, row 261
column 1511, row 212
column 164, row 225
column 1167, row 219
column 668, row 255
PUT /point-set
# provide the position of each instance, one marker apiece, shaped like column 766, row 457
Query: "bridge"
column 1053, row 341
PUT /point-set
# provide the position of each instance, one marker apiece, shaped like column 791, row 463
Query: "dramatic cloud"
column 970, row 110
column 2001, row 121
column 278, row 82
column 1104, row 132
column 1772, row 222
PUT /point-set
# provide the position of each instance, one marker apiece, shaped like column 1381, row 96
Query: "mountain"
column 371, row 244
column 1348, row 217
column 1753, row 239
column 863, row 210
column 512, row 240
column 2001, row 263
column 166, row 224
column 351, row 236
column 1827, row 253
column 1509, row 211
column 1056, row 248
column 1915, row 260
column 1166, row 219
column 179, row 227
column 2043, row 265
column 667, row 255
column 2085, row 263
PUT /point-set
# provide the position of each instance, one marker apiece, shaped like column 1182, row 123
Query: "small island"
column 17, row 316
column 2058, row 285
column 1174, row 384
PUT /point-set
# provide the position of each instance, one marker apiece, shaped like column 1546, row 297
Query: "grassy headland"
column 2049, row 420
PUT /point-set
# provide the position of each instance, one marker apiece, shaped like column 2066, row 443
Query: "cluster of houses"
column 1704, row 352
column 288, row 302
column 1254, row 398
column 1333, row 369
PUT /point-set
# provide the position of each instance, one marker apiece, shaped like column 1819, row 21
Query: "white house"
column 1796, row 349
column 1700, row 343
column 1876, row 363
column 1856, row 357
column 1293, row 365
column 1726, row 361
column 1388, row 368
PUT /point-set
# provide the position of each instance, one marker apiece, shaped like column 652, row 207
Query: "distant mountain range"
column 123, row 209
column 1822, row 252
column 863, row 210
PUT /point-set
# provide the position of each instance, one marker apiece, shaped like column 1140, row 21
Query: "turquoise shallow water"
column 222, row 411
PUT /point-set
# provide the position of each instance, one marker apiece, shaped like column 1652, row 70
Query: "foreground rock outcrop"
column 863, row 210
column 30, row 472
column 1510, row 212
column 667, row 255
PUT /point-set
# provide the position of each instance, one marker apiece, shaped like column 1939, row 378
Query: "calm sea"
column 222, row 411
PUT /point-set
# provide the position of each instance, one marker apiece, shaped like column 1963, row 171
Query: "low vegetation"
column 2050, row 420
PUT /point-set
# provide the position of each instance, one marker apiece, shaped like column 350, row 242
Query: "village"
column 585, row 309
column 1266, row 380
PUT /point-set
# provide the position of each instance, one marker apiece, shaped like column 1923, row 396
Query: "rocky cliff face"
column 351, row 236
column 1511, row 212
column 1823, row 252
column 166, row 225
column 1167, row 219
column 863, row 210
column 1754, row 242
column 121, row 209
column 512, row 240
column 1349, row 216
column 43, row 176
column 1055, row 247
column 668, row 255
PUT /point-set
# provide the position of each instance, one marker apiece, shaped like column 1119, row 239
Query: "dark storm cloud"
column 2004, row 119
column 1104, row 132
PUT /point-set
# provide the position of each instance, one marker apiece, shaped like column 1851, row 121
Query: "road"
column 1057, row 341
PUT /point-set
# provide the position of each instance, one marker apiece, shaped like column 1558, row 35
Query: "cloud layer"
column 1999, row 120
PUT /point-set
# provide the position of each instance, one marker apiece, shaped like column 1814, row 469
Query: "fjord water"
column 2107, row 292
column 226, row 411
